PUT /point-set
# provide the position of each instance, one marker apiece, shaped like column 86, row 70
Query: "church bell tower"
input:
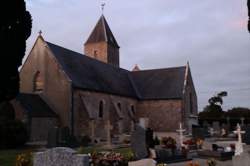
column 102, row 45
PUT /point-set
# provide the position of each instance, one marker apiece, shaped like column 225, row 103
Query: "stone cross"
column 108, row 129
column 40, row 33
column 211, row 131
column 181, row 131
column 239, row 145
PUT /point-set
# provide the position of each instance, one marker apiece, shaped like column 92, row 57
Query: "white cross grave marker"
column 239, row 145
column 211, row 131
column 181, row 131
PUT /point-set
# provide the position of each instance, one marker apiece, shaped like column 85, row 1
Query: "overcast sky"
column 210, row 34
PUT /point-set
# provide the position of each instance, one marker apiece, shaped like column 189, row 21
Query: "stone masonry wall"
column 164, row 115
column 100, row 49
column 92, row 101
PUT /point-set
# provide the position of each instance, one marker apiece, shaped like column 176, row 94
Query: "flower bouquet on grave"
column 108, row 159
column 199, row 143
column 169, row 143
column 190, row 144
column 211, row 162
column 191, row 163
column 24, row 159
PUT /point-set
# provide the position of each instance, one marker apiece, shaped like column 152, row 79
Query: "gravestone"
column 216, row 126
column 150, row 138
column 60, row 156
column 198, row 132
column 138, row 143
column 143, row 162
column 242, row 160
column 53, row 136
column 64, row 136
column 246, row 137
column 181, row 132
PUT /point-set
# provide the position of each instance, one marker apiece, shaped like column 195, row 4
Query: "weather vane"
column 103, row 6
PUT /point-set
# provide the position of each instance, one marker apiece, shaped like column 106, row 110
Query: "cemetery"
column 60, row 107
column 145, row 148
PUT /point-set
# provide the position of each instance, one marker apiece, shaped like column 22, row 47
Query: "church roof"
column 90, row 74
column 35, row 105
column 160, row 83
column 102, row 32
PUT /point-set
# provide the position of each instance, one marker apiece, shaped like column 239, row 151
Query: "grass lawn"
column 8, row 157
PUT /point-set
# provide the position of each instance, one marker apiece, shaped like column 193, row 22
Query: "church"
column 91, row 95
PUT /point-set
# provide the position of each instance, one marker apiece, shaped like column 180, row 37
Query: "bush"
column 13, row 134
column 156, row 141
column 85, row 140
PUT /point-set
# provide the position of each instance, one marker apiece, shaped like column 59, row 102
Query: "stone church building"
column 92, row 95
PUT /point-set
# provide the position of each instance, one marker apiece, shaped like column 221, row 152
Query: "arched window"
column 95, row 53
column 100, row 114
column 38, row 84
column 119, row 106
column 133, row 109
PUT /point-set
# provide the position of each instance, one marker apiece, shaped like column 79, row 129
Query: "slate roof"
column 35, row 105
column 160, row 83
column 90, row 74
column 102, row 32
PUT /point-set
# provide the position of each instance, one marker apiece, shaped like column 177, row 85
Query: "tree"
column 214, row 110
column 238, row 112
column 15, row 28
column 248, row 5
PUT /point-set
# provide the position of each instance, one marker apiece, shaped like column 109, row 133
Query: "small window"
column 133, row 109
column 119, row 106
column 95, row 53
column 100, row 114
column 38, row 82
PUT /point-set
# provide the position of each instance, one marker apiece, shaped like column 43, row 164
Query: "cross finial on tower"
column 40, row 33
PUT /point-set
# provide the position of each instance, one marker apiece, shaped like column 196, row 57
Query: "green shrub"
column 13, row 134
column 85, row 140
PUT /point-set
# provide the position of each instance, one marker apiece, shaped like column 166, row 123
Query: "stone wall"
column 97, row 51
column 60, row 157
column 103, row 52
column 87, row 111
column 190, row 105
column 57, row 89
column 40, row 127
column 164, row 115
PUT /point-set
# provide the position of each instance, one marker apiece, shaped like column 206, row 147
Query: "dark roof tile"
column 90, row 74
column 35, row 105
column 102, row 32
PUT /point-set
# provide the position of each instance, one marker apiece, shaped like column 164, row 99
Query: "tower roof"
column 101, row 33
